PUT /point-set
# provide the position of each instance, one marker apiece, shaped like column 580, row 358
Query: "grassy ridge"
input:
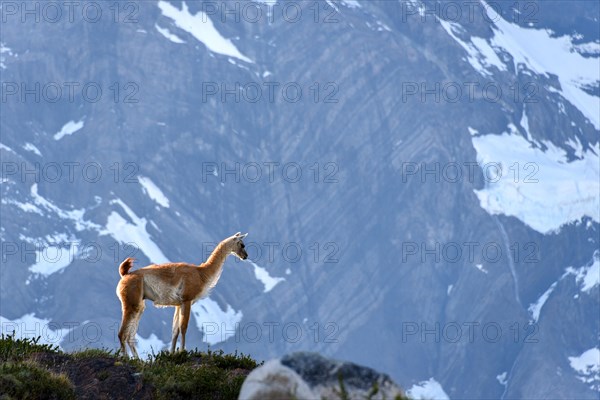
column 38, row 371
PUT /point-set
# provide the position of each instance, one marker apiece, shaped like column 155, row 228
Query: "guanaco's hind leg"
column 125, row 321
column 129, row 325
column 175, row 332
column 130, row 292
column 184, row 319
column 133, row 326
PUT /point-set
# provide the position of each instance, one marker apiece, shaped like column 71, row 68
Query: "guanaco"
column 176, row 285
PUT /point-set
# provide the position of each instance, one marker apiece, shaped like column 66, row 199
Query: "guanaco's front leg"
column 184, row 319
column 175, row 331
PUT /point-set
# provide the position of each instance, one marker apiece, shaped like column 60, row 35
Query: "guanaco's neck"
column 216, row 260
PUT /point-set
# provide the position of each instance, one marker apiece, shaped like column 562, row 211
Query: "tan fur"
column 170, row 285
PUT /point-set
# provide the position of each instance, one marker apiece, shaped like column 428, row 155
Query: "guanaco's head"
column 238, row 246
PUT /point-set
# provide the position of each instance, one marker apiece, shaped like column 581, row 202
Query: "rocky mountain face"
column 419, row 181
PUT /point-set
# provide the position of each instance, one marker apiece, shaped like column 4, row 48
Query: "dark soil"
column 97, row 377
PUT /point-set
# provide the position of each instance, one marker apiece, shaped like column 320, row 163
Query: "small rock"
column 312, row 376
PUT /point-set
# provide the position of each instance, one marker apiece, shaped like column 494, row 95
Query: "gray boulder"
column 311, row 376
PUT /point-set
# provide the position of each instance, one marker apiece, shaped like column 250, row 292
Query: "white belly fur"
column 161, row 295
column 169, row 296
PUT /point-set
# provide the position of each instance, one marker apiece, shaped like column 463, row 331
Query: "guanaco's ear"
column 244, row 235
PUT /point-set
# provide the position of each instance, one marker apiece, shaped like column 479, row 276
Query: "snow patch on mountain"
column 587, row 276
column 591, row 274
column 75, row 216
column 502, row 378
column 54, row 254
column 166, row 33
column 153, row 191
column 133, row 233
column 480, row 267
column 525, row 124
column 30, row 147
column 576, row 145
column 4, row 50
column 201, row 27
column 5, row 147
column 218, row 325
column 30, row 327
column 592, row 48
column 535, row 308
column 27, row 207
column 537, row 186
column 332, row 5
column 148, row 347
column 68, row 129
column 587, row 366
column 480, row 54
column 472, row 131
column 539, row 52
column 52, row 259
column 351, row 3
column 263, row 275
column 545, row 55
column 429, row 389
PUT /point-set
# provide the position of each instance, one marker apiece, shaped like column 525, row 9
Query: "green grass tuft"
column 94, row 353
column 230, row 361
column 189, row 373
column 28, row 380
column 12, row 349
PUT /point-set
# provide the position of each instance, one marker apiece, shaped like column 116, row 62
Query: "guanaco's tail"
column 126, row 266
